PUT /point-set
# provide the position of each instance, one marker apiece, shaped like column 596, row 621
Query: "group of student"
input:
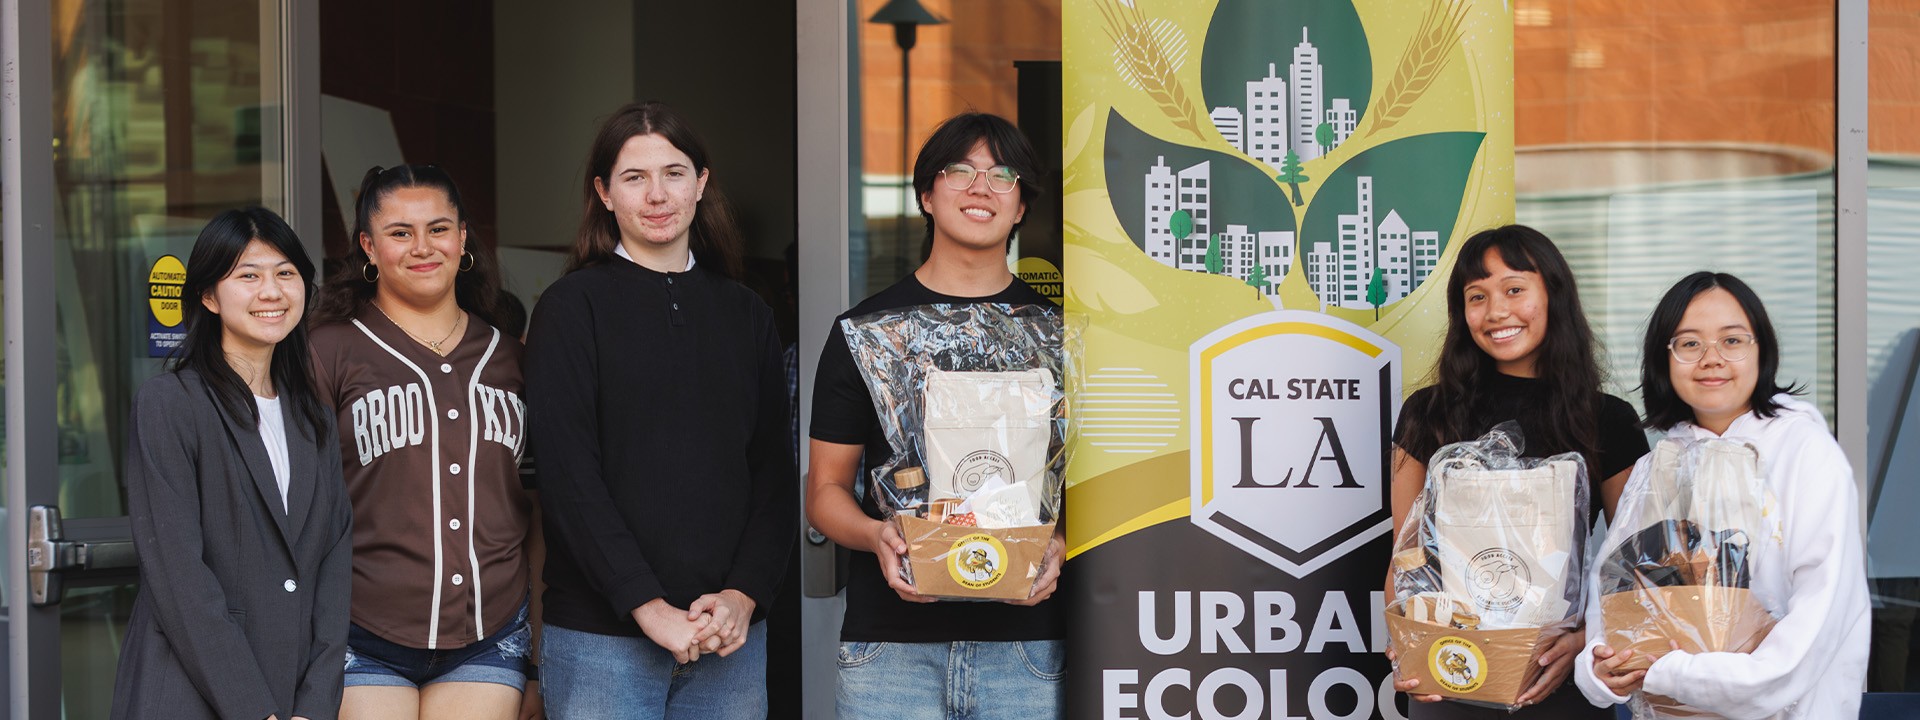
column 327, row 500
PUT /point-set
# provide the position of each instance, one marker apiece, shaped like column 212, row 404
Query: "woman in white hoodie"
column 1708, row 370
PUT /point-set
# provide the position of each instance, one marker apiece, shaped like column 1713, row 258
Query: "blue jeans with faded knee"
column 588, row 676
column 1021, row 680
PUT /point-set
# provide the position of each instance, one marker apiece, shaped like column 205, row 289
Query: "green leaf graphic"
column 1219, row 191
column 1321, row 41
column 1411, row 190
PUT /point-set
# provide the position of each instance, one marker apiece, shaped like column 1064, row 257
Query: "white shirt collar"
column 621, row 250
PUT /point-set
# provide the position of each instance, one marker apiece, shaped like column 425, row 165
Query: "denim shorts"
column 502, row 658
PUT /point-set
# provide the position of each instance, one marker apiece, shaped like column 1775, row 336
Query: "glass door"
column 161, row 113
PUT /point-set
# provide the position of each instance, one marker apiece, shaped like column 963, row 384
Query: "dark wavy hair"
column 214, row 255
column 1665, row 409
column 475, row 289
column 714, row 238
column 1567, row 418
column 950, row 144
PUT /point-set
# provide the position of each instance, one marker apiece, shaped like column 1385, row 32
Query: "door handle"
column 50, row 555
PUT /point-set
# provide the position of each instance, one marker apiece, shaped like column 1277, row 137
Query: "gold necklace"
column 433, row 345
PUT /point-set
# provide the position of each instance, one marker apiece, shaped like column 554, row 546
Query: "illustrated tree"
column 1181, row 225
column 1258, row 279
column 1216, row 260
column 1324, row 136
column 1291, row 175
column 1377, row 291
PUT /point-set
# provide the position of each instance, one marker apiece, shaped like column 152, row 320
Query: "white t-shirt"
column 273, row 432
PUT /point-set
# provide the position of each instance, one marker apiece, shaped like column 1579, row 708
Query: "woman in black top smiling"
column 1517, row 347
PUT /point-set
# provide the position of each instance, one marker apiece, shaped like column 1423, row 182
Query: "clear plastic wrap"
column 972, row 399
column 1488, row 568
column 1676, row 567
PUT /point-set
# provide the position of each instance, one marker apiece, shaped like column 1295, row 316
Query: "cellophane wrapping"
column 973, row 400
column 1495, row 542
column 1676, row 568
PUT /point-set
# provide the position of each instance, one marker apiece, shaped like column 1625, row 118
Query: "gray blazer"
column 242, row 611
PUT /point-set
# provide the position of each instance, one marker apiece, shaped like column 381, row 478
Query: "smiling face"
column 653, row 192
column 976, row 218
column 259, row 301
column 1506, row 313
column 416, row 242
column 1719, row 390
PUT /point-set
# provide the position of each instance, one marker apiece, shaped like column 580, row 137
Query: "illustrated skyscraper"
column 1426, row 255
column 1393, row 243
column 1304, row 72
column 1267, row 135
column 1196, row 197
column 1356, row 249
column 1232, row 126
column 1160, row 205
column 1343, row 118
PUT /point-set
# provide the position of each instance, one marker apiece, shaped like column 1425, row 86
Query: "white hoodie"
column 1814, row 662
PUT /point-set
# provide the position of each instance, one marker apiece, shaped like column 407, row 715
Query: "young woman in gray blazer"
column 234, row 491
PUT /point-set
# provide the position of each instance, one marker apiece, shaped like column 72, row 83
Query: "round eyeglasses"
column 1689, row 349
column 1000, row 178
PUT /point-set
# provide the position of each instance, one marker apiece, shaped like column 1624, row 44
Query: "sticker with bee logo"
column 1457, row 664
column 977, row 561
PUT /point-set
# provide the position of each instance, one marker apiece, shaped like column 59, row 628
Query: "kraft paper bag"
column 986, row 426
column 1503, row 539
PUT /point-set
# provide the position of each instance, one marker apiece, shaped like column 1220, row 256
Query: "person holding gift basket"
column 902, row 655
column 1750, row 506
column 1517, row 348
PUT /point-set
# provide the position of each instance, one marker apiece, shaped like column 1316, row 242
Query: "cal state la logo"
column 1292, row 432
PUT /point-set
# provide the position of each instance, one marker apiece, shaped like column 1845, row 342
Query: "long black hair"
column 714, row 238
column 1567, row 418
column 1665, row 409
column 953, row 140
column 215, row 253
column 476, row 289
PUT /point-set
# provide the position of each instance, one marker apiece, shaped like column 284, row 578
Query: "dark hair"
column 1665, row 409
column 953, row 140
column 513, row 315
column 216, row 251
column 714, row 238
column 349, row 291
column 1567, row 418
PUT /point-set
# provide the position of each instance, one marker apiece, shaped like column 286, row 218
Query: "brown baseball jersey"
column 431, row 447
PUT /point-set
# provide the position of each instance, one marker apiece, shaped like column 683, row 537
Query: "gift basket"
column 1487, row 568
column 973, row 402
column 1677, row 566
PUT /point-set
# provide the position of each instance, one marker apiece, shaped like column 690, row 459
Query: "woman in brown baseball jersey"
column 428, row 399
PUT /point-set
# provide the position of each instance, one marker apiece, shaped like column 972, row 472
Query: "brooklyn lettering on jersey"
column 385, row 420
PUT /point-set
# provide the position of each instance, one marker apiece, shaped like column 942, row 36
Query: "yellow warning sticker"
column 164, row 283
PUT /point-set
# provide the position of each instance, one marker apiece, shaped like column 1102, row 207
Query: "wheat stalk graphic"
column 1421, row 62
column 1147, row 54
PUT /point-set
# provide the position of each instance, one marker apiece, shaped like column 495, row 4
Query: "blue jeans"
column 960, row 680
column 588, row 676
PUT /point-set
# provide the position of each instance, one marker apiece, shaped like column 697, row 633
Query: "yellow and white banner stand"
column 1261, row 203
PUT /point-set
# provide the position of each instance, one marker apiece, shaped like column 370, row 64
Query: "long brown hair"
column 715, row 238
column 476, row 289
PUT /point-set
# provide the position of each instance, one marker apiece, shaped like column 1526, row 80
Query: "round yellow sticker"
column 977, row 561
column 1457, row 664
column 164, row 283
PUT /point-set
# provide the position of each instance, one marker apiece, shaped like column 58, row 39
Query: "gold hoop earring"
column 370, row 273
column 467, row 261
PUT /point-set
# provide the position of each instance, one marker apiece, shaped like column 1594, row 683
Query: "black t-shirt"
column 843, row 413
column 1505, row 397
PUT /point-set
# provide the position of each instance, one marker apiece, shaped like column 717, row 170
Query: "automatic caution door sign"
column 165, row 329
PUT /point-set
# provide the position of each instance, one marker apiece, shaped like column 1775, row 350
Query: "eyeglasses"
column 1000, row 178
column 1689, row 349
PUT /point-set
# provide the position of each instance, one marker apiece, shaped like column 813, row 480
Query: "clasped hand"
column 714, row 623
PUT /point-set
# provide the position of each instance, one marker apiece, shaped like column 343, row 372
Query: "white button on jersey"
column 454, row 468
column 453, row 524
column 290, row 585
column 456, row 579
column 445, row 368
column 453, row 414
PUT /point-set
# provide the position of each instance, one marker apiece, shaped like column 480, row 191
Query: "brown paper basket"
column 957, row 561
column 1699, row 618
column 1491, row 667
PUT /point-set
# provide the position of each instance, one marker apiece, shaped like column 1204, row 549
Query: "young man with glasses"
column 903, row 656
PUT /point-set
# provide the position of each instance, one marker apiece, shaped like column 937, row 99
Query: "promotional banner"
column 1261, row 202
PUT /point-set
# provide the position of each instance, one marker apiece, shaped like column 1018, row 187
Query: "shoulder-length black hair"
column 953, row 140
column 1665, row 409
column 216, row 251
column 714, row 238
column 475, row 289
column 1567, row 418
